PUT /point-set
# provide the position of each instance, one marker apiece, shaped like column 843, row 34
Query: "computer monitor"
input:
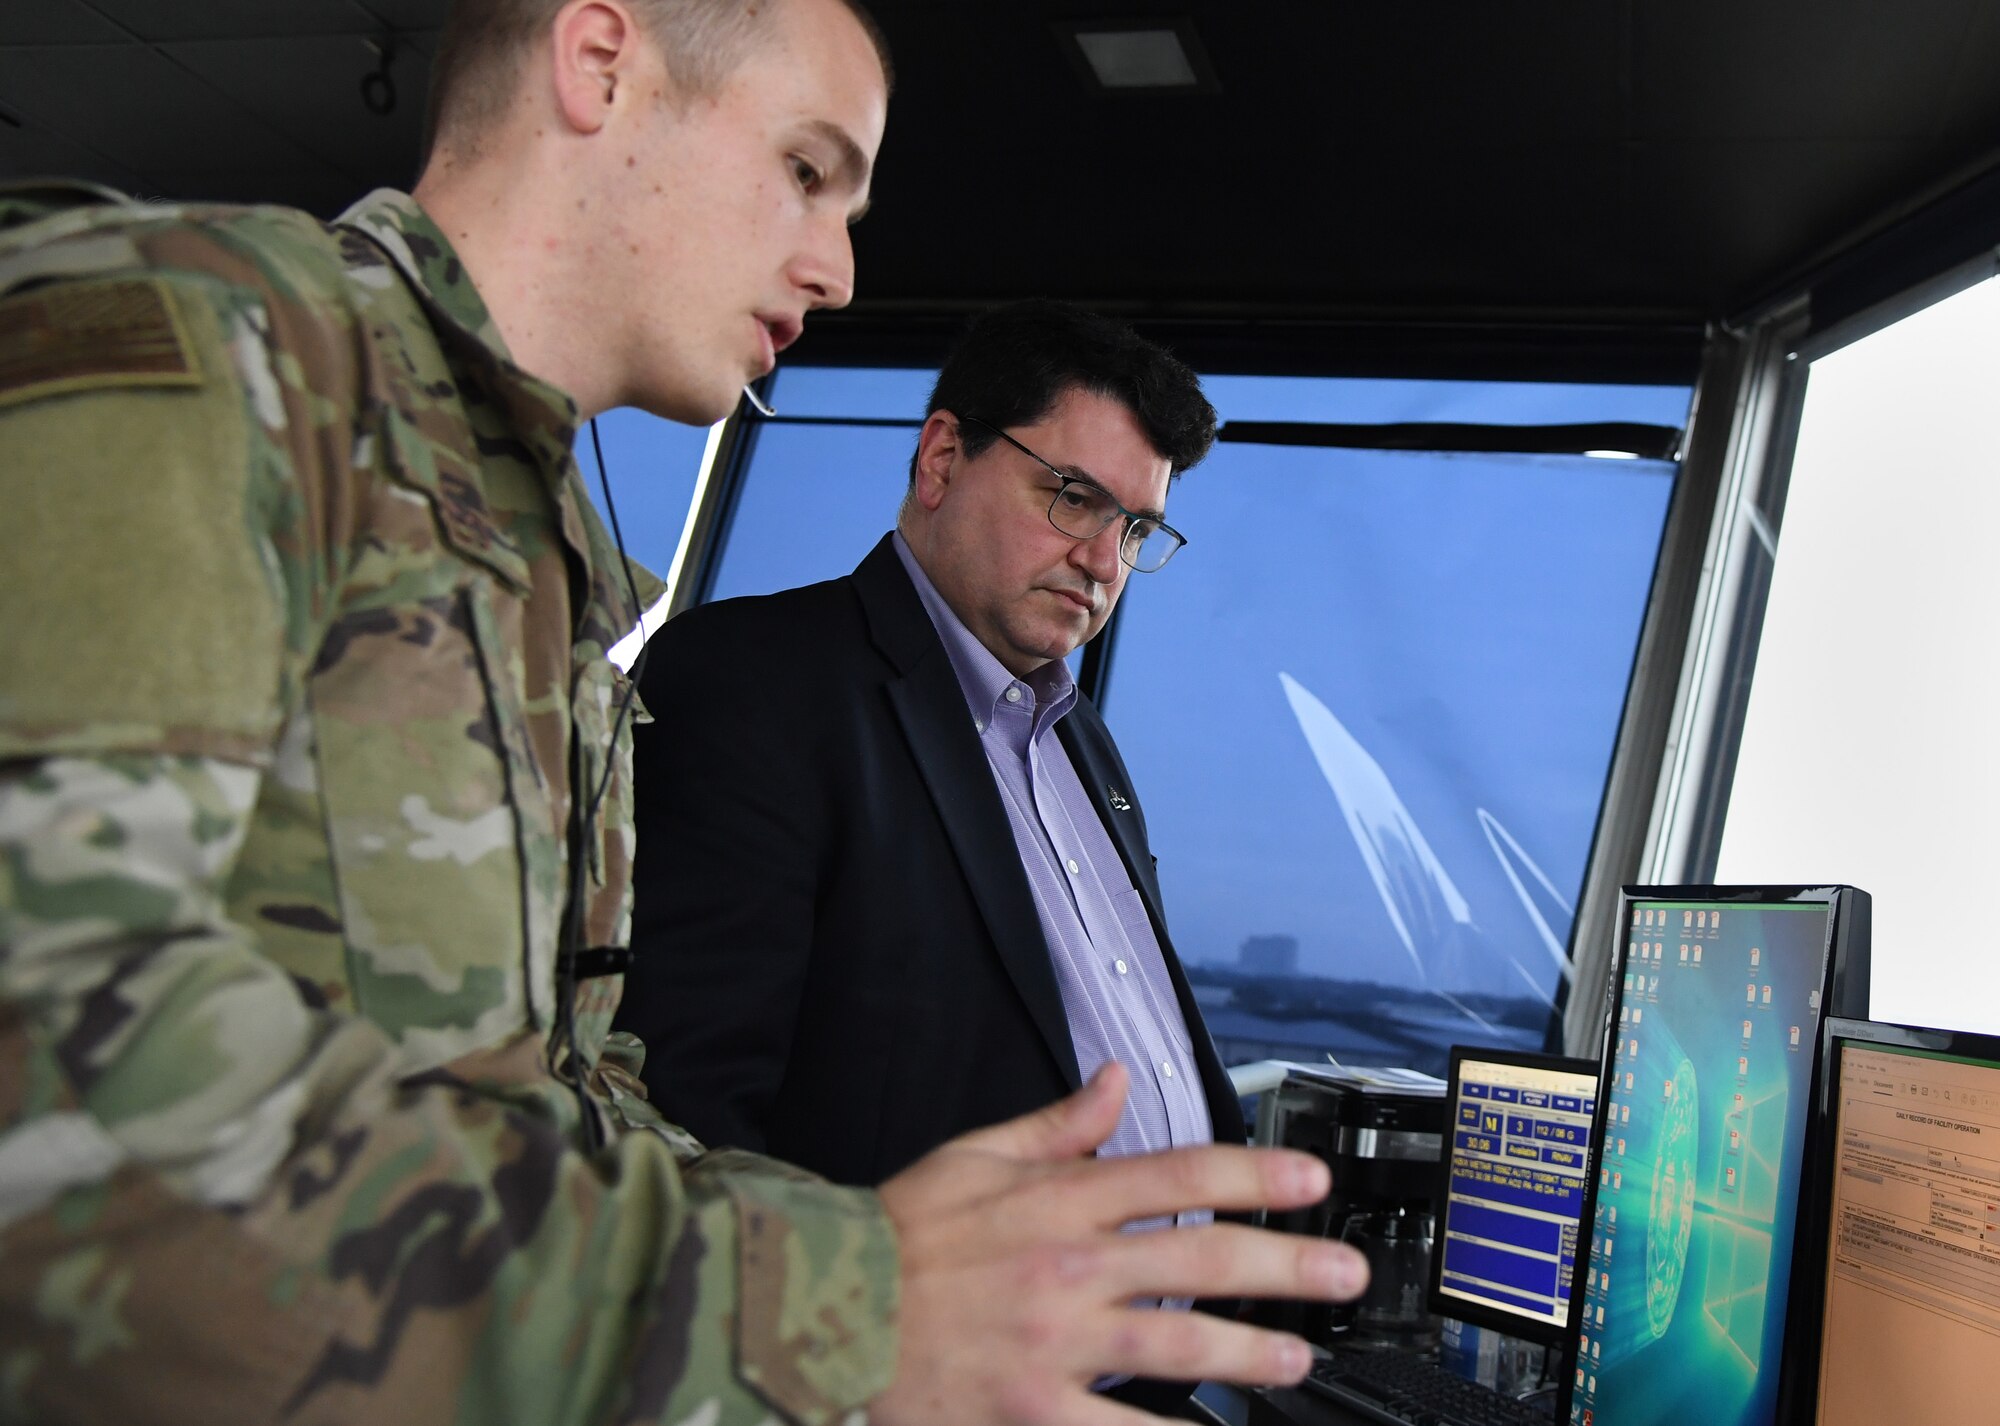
column 1504, row 1250
column 1703, row 1115
column 1908, row 1247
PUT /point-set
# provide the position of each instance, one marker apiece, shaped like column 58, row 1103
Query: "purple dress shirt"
column 1116, row 993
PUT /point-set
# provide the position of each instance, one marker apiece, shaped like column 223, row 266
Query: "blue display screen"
column 1684, row 1295
column 1519, row 1160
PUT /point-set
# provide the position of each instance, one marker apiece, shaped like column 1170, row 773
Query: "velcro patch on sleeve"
column 106, row 332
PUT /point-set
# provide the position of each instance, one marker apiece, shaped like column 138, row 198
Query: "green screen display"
column 1715, row 1021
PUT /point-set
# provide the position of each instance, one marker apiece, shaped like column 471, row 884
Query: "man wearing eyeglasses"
column 893, row 877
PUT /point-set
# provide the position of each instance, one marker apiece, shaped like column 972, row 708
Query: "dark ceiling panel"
column 1344, row 182
column 1756, row 197
column 407, row 14
column 215, row 19
column 1469, row 75
column 31, row 152
column 1855, row 69
column 54, row 22
column 1605, row 164
column 1966, row 107
column 138, row 109
column 309, row 89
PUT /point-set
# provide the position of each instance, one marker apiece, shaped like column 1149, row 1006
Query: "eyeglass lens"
column 1081, row 511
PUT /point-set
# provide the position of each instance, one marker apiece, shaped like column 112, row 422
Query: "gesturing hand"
column 1015, row 1276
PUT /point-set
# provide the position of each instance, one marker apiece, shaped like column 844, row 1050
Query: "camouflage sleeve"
column 220, row 1200
column 202, row 1220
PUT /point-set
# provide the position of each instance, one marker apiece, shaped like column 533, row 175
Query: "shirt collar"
column 401, row 227
column 984, row 679
column 543, row 415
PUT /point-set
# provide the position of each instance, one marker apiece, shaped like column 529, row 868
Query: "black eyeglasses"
column 1082, row 508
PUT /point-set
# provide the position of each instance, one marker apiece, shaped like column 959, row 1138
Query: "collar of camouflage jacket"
column 543, row 415
column 419, row 247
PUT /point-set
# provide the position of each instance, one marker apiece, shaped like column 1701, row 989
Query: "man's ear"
column 938, row 454
column 593, row 52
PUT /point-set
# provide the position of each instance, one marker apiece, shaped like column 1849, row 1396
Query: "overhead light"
column 1136, row 59
column 1139, row 56
column 1612, row 455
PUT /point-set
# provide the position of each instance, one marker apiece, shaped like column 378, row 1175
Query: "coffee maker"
column 1381, row 1134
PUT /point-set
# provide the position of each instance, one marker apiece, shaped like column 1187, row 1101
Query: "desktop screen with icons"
column 1712, row 1038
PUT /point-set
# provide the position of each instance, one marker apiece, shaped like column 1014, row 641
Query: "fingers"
column 1192, row 1346
column 1225, row 1260
column 1064, row 1130
column 1105, row 1193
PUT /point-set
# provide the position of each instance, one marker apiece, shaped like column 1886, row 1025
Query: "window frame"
column 1705, row 619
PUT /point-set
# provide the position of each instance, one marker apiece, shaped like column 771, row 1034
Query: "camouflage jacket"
column 302, row 660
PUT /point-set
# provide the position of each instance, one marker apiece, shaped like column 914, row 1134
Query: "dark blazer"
column 837, row 957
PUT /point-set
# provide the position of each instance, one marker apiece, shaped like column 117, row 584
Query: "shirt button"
column 1013, row 694
column 1073, row 867
column 1166, row 1069
column 1121, row 966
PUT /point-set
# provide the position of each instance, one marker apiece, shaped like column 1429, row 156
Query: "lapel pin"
column 1118, row 802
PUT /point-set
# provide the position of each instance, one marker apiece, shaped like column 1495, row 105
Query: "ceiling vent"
column 1139, row 56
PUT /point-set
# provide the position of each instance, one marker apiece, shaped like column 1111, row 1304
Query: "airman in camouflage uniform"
column 304, row 764
column 302, row 682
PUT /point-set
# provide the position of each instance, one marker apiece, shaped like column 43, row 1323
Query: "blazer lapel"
column 930, row 707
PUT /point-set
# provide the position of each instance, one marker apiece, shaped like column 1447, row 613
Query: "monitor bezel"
column 1818, row 1191
column 1548, row 1334
column 1844, row 977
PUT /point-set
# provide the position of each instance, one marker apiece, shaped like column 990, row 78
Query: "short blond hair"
column 478, row 63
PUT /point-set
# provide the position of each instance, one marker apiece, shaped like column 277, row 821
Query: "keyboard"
column 1401, row 1390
